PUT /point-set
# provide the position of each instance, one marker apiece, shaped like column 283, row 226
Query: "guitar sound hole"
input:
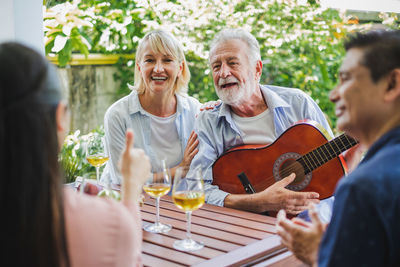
column 289, row 166
column 285, row 165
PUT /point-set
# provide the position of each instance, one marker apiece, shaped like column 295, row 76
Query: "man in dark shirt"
column 365, row 225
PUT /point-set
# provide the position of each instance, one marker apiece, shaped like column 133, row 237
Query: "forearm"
column 248, row 202
column 173, row 171
column 130, row 191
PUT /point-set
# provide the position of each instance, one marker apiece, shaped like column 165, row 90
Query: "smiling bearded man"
column 250, row 114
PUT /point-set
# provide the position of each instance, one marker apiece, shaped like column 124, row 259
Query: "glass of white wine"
column 188, row 195
column 109, row 192
column 158, row 185
column 96, row 153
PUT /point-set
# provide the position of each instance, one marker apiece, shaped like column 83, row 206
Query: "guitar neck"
column 326, row 152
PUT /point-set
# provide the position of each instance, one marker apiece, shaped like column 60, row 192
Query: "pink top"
column 102, row 232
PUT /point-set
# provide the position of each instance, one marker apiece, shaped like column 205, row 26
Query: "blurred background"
column 93, row 44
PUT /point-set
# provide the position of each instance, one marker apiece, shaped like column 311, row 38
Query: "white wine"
column 188, row 200
column 156, row 189
column 96, row 160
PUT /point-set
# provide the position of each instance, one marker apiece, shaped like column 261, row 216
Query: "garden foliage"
column 301, row 42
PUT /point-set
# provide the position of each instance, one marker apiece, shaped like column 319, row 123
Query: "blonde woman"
column 158, row 109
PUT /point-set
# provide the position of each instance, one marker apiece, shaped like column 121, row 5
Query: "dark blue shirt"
column 365, row 225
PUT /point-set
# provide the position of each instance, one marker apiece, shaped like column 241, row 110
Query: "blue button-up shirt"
column 365, row 225
column 128, row 113
column 217, row 131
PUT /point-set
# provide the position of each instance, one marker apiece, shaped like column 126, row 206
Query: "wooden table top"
column 231, row 238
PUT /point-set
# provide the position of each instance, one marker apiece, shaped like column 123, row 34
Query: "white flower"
column 67, row 29
column 59, row 43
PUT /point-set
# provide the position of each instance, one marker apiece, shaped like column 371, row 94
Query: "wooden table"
column 231, row 238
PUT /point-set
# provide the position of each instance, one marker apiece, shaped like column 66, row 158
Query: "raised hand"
column 301, row 237
column 277, row 197
column 135, row 169
column 190, row 151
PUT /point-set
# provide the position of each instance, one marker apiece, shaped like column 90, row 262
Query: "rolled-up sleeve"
column 115, row 129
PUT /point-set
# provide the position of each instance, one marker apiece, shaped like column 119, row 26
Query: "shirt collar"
column 273, row 99
column 182, row 103
column 134, row 103
column 389, row 138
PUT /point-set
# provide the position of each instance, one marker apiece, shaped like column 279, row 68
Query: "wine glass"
column 188, row 195
column 158, row 185
column 108, row 192
column 96, row 153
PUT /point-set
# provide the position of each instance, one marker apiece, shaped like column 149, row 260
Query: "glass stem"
column 188, row 223
column 97, row 175
column 82, row 187
column 157, row 210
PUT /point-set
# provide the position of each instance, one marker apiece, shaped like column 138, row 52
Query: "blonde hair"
column 162, row 42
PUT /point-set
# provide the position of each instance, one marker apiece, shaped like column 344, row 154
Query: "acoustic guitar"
column 302, row 149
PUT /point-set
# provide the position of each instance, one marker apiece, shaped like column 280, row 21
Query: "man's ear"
column 259, row 66
column 393, row 89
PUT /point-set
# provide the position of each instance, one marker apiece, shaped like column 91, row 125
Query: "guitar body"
column 266, row 164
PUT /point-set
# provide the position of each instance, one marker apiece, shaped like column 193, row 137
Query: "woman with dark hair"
column 44, row 223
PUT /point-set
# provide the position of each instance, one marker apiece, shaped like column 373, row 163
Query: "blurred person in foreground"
column 251, row 113
column 45, row 223
column 364, row 228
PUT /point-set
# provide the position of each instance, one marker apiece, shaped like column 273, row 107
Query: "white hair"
column 239, row 34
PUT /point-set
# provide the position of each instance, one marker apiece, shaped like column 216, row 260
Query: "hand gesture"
column 301, row 237
column 135, row 169
column 277, row 197
column 190, row 150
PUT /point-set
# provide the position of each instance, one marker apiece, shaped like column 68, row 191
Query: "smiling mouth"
column 159, row 78
column 228, row 85
column 339, row 112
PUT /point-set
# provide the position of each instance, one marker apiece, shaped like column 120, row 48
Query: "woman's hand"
column 190, row 151
column 135, row 169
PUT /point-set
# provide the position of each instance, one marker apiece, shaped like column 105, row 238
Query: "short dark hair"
column 381, row 50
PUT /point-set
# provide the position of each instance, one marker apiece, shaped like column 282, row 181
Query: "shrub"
column 73, row 155
column 300, row 41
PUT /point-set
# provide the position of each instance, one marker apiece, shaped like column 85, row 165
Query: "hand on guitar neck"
column 273, row 198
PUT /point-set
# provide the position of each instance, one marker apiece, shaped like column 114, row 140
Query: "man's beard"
column 231, row 96
column 234, row 96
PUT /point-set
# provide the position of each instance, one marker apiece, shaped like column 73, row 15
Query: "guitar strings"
column 342, row 143
column 340, row 147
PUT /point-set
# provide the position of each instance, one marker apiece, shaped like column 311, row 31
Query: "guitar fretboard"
column 326, row 152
